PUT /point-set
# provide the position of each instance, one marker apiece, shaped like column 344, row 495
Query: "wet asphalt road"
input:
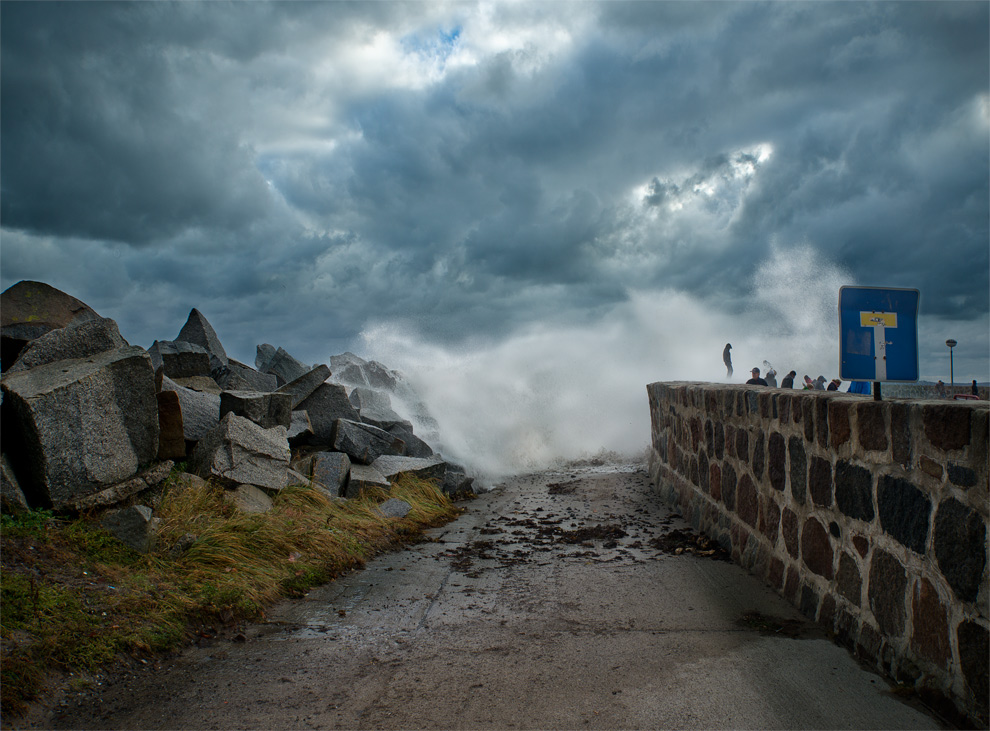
column 558, row 600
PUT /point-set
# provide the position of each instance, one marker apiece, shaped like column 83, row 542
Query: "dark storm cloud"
column 470, row 168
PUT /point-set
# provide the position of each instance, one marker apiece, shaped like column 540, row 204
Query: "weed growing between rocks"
column 74, row 597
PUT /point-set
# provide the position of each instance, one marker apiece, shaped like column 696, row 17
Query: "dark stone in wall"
column 693, row 471
column 729, row 487
column 838, row 419
column 799, row 469
column 747, row 501
column 703, row 471
column 715, row 481
column 869, row 644
column 872, row 426
column 930, row 467
column 784, row 403
column 834, row 530
column 821, row 421
column 789, row 528
column 861, row 545
column 820, row 481
column 709, row 436
column 960, row 547
column 961, row 475
column 931, row 626
column 809, row 602
column 808, row 409
column 719, row 440
column 792, row 584
column 742, row 446
column 770, row 520
column 741, row 403
column 759, row 456
column 854, row 491
column 778, row 460
column 730, row 440
column 775, row 573
column 696, row 433
column 945, row 427
column 973, row 642
column 752, row 402
column 905, row 512
column 888, row 580
column 816, row 549
column 826, row 615
column 900, row 433
column 848, row 581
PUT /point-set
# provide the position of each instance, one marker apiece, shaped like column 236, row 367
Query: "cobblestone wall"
column 871, row 516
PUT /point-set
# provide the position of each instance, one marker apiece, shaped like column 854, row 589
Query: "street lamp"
column 952, row 377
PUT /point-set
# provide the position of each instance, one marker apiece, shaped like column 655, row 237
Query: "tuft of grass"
column 74, row 597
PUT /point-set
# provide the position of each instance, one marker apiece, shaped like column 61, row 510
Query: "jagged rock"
column 363, row 443
column 180, row 359
column 264, row 409
column 77, row 426
column 203, row 384
column 300, row 428
column 181, row 546
column 325, row 405
column 285, row 368
column 456, row 480
column 303, row 387
column 29, row 309
column 200, row 411
column 249, row 499
column 199, row 331
column 375, row 408
column 133, row 526
column 152, row 478
column 392, row 467
column 79, row 339
column 263, row 356
column 171, row 439
column 331, row 469
column 394, row 508
column 238, row 377
column 187, row 481
column 415, row 447
column 12, row 500
column 298, row 478
column 239, row 451
column 349, row 369
column 363, row 476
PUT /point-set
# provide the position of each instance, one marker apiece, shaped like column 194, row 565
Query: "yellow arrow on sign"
column 872, row 319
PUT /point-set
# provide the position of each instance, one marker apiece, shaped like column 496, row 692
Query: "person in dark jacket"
column 788, row 381
column 975, row 390
column 756, row 380
column 834, row 385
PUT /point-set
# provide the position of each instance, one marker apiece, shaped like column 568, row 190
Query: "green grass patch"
column 74, row 597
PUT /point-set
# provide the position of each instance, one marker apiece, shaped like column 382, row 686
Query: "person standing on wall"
column 756, row 380
column 727, row 359
column 788, row 381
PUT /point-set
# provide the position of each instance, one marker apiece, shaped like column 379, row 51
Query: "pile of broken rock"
column 90, row 422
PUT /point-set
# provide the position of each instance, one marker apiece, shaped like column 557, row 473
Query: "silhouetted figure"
column 727, row 359
column 771, row 378
column 808, row 383
column 756, row 380
column 940, row 389
column 820, row 383
column 788, row 381
column 834, row 385
column 974, row 389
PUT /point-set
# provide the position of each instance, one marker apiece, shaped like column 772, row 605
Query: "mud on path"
column 559, row 600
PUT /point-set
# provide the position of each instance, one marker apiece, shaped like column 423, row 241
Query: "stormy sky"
column 439, row 180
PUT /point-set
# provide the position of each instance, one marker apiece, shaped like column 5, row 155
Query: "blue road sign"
column 878, row 334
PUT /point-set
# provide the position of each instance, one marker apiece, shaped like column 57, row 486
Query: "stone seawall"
column 870, row 516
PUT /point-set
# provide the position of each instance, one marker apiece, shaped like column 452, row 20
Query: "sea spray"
column 550, row 393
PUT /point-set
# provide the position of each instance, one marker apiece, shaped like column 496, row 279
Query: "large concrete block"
column 238, row 451
column 264, row 409
column 79, row 339
column 78, row 426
